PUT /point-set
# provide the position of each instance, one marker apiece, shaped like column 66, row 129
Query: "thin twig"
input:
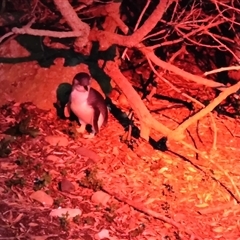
column 137, row 24
column 6, row 36
column 191, row 99
column 142, row 208
column 223, row 95
column 222, row 69
column 229, row 178
column 223, row 45
column 38, row 32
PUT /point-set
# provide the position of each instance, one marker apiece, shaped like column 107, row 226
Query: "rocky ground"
column 54, row 184
column 57, row 185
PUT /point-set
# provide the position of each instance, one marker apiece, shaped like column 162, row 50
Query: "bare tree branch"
column 223, row 95
column 197, row 79
column 73, row 21
column 38, row 32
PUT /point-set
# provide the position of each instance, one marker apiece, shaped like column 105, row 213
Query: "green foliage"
column 15, row 181
column 72, row 131
column 23, row 161
column 64, row 221
column 42, row 182
column 87, row 220
column 63, row 172
column 23, row 128
column 90, row 180
column 77, row 219
column 137, row 231
column 109, row 217
column 5, row 149
column 58, row 201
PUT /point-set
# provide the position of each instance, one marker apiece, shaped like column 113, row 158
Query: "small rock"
column 7, row 166
column 89, row 162
column 122, row 100
column 115, row 151
column 66, row 186
column 100, row 197
column 103, row 234
column 71, row 212
column 57, row 140
column 88, row 153
column 43, row 198
column 54, row 158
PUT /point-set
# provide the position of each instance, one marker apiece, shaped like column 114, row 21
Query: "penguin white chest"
column 80, row 107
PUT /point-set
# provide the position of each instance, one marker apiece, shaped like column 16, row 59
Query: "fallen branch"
column 223, row 95
column 188, row 97
column 28, row 25
column 6, row 36
column 140, row 207
column 38, row 32
column 147, row 121
column 134, row 99
column 222, row 69
column 237, row 192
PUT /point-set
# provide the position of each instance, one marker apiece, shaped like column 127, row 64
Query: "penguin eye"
column 75, row 82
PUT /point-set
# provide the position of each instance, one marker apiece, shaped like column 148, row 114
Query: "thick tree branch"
column 134, row 100
column 134, row 39
column 167, row 66
column 151, row 22
column 147, row 122
column 73, row 21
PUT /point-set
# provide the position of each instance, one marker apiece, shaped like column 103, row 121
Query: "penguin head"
column 81, row 82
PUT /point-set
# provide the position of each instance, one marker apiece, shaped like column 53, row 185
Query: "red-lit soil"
column 199, row 198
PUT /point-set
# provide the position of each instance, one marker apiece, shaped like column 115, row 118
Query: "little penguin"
column 87, row 104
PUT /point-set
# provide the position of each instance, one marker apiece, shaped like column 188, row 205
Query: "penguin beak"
column 86, row 88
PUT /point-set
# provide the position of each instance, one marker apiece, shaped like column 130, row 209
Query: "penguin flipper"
column 96, row 114
column 67, row 110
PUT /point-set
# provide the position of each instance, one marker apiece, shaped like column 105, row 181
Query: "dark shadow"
column 188, row 105
column 124, row 120
column 62, row 93
column 44, row 55
column 97, row 72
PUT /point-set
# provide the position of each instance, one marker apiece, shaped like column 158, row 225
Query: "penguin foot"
column 81, row 129
column 89, row 136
